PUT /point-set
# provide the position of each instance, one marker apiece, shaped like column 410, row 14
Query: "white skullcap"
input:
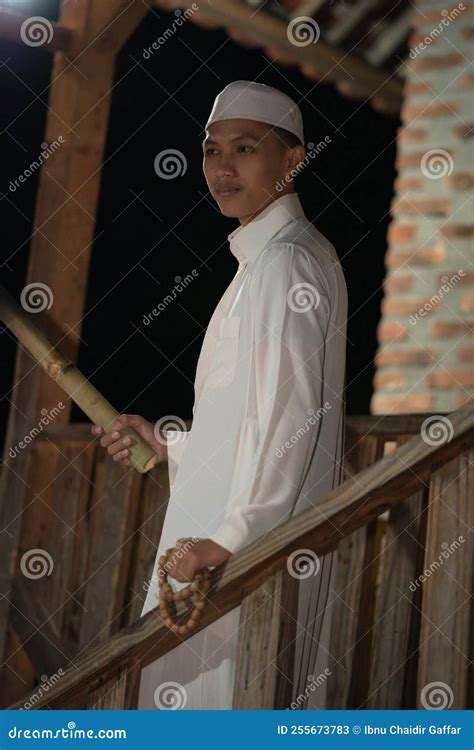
column 248, row 100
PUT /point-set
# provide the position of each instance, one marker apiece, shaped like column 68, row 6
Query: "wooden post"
column 63, row 232
column 446, row 614
column 267, row 632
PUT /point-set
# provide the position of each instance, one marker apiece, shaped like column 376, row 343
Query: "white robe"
column 266, row 443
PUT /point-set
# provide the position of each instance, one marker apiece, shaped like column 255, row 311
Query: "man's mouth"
column 225, row 191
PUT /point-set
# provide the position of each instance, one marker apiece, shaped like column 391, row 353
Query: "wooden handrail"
column 346, row 508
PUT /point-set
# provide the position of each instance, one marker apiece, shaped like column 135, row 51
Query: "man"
column 268, row 419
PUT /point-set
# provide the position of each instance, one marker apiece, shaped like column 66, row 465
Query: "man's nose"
column 225, row 166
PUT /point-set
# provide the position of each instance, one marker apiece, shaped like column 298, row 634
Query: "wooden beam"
column 348, row 19
column 388, row 426
column 345, row 509
column 63, row 231
column 44, row 36
column 326, row 60
column 390, row 36
column 113, row 21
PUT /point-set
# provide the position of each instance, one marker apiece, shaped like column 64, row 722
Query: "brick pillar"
column 424, row 360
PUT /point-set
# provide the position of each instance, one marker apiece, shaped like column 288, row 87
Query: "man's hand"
column 189, row 556
column 117, row 446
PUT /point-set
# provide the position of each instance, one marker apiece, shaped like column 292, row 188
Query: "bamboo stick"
column 70, row 378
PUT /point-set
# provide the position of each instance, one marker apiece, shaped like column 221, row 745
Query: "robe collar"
column 246, row 242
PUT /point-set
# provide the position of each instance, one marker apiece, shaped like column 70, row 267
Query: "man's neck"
column 244, row 220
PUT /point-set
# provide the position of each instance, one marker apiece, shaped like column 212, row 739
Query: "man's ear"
column 295, row 157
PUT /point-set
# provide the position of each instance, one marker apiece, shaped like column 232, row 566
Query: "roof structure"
column 358, row 45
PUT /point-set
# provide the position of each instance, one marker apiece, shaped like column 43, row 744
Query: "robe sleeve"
column 176, row 444
column 290, row 307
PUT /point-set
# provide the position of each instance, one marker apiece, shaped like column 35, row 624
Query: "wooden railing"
column 386, row 634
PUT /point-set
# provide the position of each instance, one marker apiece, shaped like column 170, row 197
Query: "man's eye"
column 208, row 150
column 250, row 149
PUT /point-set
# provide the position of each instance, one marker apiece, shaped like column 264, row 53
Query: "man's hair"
column 290, row 140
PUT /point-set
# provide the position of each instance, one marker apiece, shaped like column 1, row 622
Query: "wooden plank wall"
column 392, row 636
column 97, row 527
column 401, row 638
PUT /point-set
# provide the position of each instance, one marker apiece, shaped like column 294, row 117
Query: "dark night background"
column 150, row 230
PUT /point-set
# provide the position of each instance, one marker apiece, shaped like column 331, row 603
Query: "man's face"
column 243, row 160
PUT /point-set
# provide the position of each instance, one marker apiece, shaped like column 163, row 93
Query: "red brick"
column 392, row 355
column 416, row 38
column 435, row 62
column 450, row 378
column 458, row 230
column 389, row 381
column 383, row 403
column 413, row 88
column 463, row 278
column 430, row 17
column 424, row 206
column 419, row 43
column 463, row 400
column 467, row 278
column 466, row 353
column 467, row 302
column 461, row 181
column 407, row 159
column 464, row 131
column 391, row 332
column 435, row 109
column 402, row 306
column 426, row 256
column 398, row 282
column 447, row 329
column 407, row 134
column 408, row 182
column 401, row 232
column 466, row 81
